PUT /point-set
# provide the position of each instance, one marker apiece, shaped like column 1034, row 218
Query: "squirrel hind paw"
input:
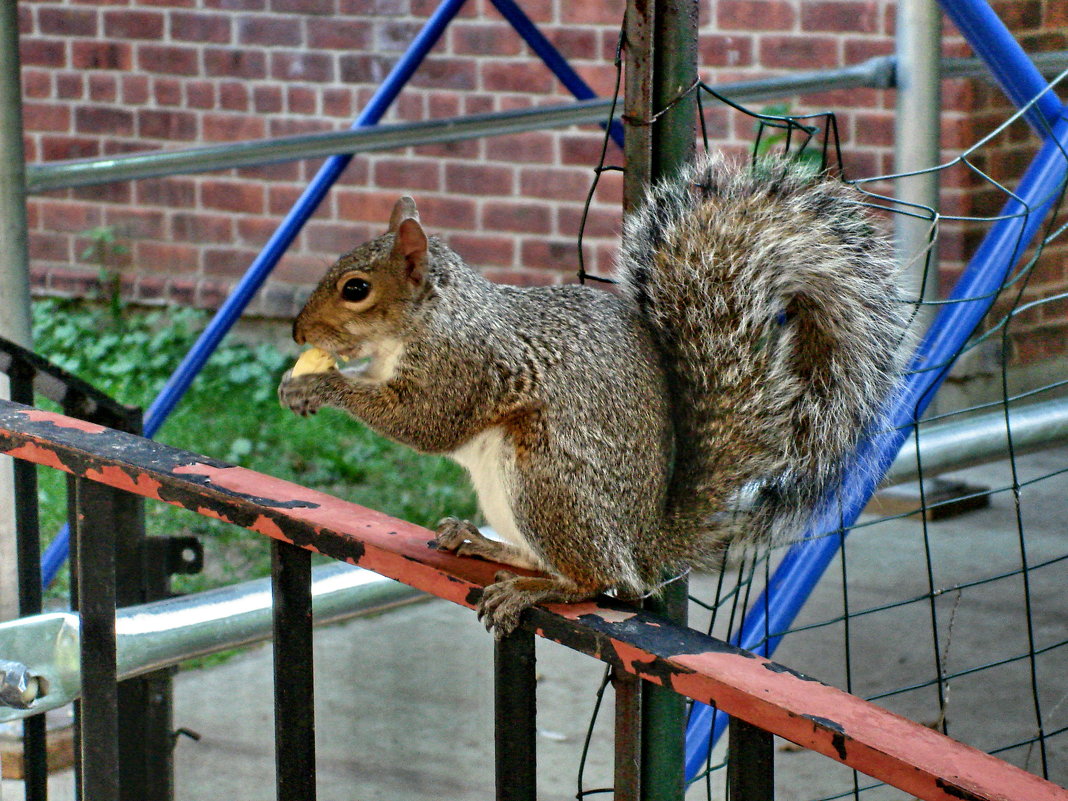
column 503, row 602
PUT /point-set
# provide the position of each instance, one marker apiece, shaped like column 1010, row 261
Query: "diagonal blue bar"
column 1041, row 186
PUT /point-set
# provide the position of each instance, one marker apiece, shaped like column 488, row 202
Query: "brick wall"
column 102, row 78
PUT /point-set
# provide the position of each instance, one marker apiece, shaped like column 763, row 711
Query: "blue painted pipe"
column 804, row 564
column 545, row 50
column 56, row 553
column 1008, row 62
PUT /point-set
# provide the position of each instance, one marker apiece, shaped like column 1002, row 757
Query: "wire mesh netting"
column 946, row 601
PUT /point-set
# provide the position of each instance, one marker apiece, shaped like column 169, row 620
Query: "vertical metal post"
column 14, row 275
column 750, row 765
column 514, row 716
column 917, row 134
column 628, row 763
column 661, row 116
column 28, row 541
column 98, row 717
column 294, row 711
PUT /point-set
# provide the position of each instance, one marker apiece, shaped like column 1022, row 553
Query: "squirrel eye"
column 355, row 289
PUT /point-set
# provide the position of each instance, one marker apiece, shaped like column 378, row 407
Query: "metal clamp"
column 19, row 688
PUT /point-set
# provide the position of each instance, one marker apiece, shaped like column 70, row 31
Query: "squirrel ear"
column 411, row 244
column 403, row 209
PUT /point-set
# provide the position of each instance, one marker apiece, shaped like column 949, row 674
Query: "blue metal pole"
column 287, row 231
column 545, row 50
column 804, row 564
column 1008, row 62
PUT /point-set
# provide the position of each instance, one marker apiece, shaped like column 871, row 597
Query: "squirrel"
column 617, row 439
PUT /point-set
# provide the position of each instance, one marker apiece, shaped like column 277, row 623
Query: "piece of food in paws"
column 314, row 360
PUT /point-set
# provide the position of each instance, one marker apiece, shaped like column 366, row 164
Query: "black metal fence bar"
column 750, row 764
column 294, row 695
column 28, row 545
column 98, row 713
column 514, row 719
column 628, row 707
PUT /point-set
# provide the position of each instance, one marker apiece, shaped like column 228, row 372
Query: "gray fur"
column 635, row 421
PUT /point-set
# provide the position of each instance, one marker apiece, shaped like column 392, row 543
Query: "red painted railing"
column 860, row 734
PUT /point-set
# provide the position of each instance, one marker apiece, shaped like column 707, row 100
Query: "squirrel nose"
column 298, row 335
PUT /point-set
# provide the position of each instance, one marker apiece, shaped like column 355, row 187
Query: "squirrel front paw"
column 305, row 394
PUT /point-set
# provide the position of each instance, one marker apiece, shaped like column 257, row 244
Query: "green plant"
column 774, row 133
column 105, row 250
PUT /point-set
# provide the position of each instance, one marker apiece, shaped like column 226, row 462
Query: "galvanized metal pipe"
column 163, row 633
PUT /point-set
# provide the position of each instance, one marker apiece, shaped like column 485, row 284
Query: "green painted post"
column 661, row 117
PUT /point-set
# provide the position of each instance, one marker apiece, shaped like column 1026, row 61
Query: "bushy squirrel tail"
column 776, row 308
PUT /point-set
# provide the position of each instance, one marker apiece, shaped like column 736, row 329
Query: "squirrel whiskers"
column 612, row 438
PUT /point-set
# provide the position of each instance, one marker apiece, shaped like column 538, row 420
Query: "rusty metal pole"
column 660, row 115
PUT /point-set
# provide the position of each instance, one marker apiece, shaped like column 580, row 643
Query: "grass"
column 231, row 413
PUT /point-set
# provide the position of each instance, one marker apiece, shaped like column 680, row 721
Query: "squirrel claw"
column 451, row 533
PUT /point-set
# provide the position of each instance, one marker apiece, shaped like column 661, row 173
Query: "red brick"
column 166, row 124
column 446, row 73
column 269, row 31
column 363, row 68
column 255, row 231
column 171, row 193
column 606, row 12
column 168, row 59
column 584, row 150
column 288, row 126
column 232, row 196
column 484, row 39
column 321, row 7
column 332, row 237
column 136, row 223
column 1019, row 15
column 167, row 91
column 231, row 127
column 365, row 206
column 104, row 193
column 67, row 21
column 337, row 34
column 201, row 228
column 235, row 63
column 25, row 20
column 237, row 5
column 874, row 129
column 56, row 148
column 801, row 52
column 525, row 218
column 42, row 52
column 200, row 94
column 45, row 116
column 478, row 179
column 73, row 217
column 233, row 96
column 302, row 66
column 480, row 250
column 103, row 88
column 74, row 283
column 842, row 16
column 441, row 213
column 69, row 85
column 134, row 89
column 549, row 254
column 516, row 76
column 338, row 103
column 165, row 257
column 599, row 222
column 267, row 99
column 103, row 120
column 228, row 261
column 554, row 184
column 726, row 50
column 101, row 56
column 533, row 147
column 394, row 35
column 463, row 149
column 200, row 27
column 50, row 247
column 407, row 174
column 130, row 24
column 301, row 100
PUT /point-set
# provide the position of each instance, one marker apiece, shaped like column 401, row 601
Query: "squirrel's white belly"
column 490, row 460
